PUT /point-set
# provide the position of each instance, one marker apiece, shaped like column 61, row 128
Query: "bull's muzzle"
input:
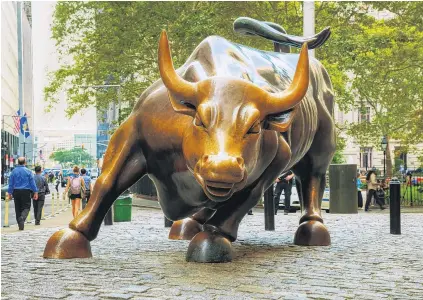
column 220, row 176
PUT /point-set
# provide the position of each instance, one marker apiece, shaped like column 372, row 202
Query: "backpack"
column 75, row 185
column 41, row 184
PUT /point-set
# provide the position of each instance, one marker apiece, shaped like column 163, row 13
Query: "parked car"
column 295, row 200
column 3, row 191
column 325, row 200
column 94, row 173
column 66, row 173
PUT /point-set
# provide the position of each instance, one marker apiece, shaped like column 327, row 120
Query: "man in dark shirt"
column 283, row 183
column 21, row 184
column 43, row 190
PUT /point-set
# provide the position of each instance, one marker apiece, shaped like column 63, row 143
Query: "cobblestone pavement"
column 136, row 261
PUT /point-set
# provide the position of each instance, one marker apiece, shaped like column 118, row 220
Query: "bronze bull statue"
column 213, row 136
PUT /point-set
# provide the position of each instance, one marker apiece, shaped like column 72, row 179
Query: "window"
column 365, row 157
column 364, row 114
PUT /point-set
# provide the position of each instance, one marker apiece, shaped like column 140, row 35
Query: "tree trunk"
column 388, row 159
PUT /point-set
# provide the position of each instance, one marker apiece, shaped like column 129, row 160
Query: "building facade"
column 366, row 156
column 87, row 142
column 16, row 81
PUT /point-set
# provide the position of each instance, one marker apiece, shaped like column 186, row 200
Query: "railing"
column 411, row 193
column 144, row 187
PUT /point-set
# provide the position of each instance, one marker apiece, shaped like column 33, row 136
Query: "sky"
column 45, row 59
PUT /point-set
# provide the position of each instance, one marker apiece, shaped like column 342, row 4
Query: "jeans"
column 38, row 207
column 286, row 188
column 370, row 194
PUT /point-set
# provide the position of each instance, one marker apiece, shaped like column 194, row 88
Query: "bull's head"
column 223, row 144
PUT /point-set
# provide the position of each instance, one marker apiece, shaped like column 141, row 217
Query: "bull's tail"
column 277, row 33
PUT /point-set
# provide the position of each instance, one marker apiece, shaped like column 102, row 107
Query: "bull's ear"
column 182, row 106
column 280, row 122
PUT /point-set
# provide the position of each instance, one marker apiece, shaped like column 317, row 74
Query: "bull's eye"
column 198, row 122
column 256, row 128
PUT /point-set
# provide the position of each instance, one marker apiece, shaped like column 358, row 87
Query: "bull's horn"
column 294, row 94
column 174, row 83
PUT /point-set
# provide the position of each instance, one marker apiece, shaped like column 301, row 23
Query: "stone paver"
column 136, row 261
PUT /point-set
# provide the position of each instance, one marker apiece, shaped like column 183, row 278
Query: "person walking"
column 59, row 181
column 88, row 187
column 360, row 196
column 21, row 184
column 75, row 189
column 283, row 183
column 372, row 186
column 43, row 190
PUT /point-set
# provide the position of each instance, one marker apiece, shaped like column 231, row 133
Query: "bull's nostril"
column 240, row 161
column 205, row 158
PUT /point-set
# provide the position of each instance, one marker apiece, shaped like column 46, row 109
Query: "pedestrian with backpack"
column 43, row 190
column 75, row 190
column 88, row 187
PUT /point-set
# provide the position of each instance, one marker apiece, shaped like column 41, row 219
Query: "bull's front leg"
column 123, row 165
column 214, row 243
column 311, row 186
column 187, row 228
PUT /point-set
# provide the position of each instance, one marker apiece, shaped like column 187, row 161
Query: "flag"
column 24, row 126
column 17, row 121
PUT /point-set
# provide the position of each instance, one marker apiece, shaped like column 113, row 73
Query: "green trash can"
column 123, row 209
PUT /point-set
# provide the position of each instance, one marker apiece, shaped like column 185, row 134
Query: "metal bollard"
column 167, row 222
column 269, row 210
column 6, row 211
column 57, row 203
column 52, row 204
column 395, row 207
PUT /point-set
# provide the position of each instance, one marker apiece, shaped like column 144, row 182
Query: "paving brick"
column 136, row 261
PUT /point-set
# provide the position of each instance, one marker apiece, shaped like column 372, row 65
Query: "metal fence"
column 411, row 191
column 145, row 188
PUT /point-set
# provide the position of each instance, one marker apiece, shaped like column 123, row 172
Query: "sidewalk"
column 59, row 220
column 136, row 260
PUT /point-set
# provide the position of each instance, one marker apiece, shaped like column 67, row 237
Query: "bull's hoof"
column 209, row 247
column 67, row 243
column 184, row 229
column 312, row 233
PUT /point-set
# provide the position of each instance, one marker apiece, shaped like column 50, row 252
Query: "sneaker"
column 285, row 213
column 367, row 210
column 37, row 222
column 382, row 207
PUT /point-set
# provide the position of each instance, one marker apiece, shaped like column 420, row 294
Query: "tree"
column 387, row 68
column 375, row 61
column 71, row 157
column 116, row 42
column 338, row 157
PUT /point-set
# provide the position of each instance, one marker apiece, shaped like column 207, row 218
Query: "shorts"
column 75, row 196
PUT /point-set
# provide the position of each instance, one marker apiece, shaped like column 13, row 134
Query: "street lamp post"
column 384, row 145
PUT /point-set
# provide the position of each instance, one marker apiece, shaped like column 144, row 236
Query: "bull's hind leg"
column 311, row 177
column 123, row 165
column 187, row 228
